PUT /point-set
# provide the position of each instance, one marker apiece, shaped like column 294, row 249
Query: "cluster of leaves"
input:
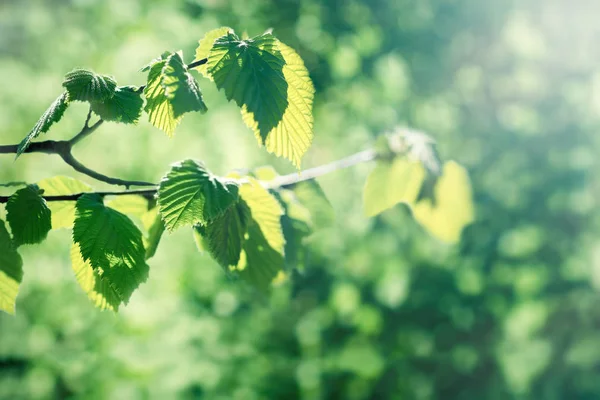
column 253, row 228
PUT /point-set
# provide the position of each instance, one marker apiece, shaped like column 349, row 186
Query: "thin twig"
column 85, row 132
column 149, row 194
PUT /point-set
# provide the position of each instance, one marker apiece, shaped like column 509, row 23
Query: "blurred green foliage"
column 380, row 310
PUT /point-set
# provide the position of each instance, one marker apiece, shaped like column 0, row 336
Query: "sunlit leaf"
column 98, row 290
column 11, row 271
column 85, row 85
column 28, row 215
column 53, row 114
column 225, row 234
column 205, row 45
column 110, row 241
column 392, row 182
column 63, row 212
column 453, row 207
column 124, row 106
column 190, row 194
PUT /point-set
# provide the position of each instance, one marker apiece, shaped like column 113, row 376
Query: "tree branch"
column 149, row 194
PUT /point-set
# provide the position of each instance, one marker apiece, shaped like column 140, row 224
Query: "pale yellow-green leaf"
column 453, row 208
column 99, row 291
column 204, row 46
column 11, row 271
column 63, row 212
column 266, row 212
column 293, row 135
column 390, row 183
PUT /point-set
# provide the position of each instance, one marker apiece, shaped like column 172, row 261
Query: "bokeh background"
column 510, row 89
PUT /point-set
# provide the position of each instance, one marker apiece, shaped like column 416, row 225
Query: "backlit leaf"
column 206, row 44
column 124, row 106
column 181, row 88
column 11, row 271
column 111, row 243
column 53, row 114
column 225, row 234
column 63, row 212
column 190, row 194
column 28, row 215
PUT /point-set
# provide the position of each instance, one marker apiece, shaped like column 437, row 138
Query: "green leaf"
column 392, row 182
column 124, row 106
column 85, row 85
column 111, row 243
column 266, row 212
column 271, row 84
column 98, row 290
column 453, row 207
column 181, row 88
column 297, row 224
column 53, row 114
column 206, row 44
column 11, row 271
column 150, row 220
column 28, row 215
column 63, row 212
column 170, row 92
column 225, row 234
column 159, row 109
column 293, row 134
column 190, row 194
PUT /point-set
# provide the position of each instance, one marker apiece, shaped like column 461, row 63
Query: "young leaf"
column 98, row 290
column 170, row 92
column 225, row 234
column 155, row 227
column 28, row 215
column 124, row 106
column 110, row 242
column 453, row 207
column 159, row 109
column 190, row 194
column 181, row 88
column 205, row 45
column 85, row 85
column 53, row 114
column 63, row 212
column 391, row 183
column 11, row 271
column 293, row 134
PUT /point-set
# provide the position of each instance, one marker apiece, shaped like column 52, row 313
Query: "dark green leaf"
column 206, row 44
column 124, row 106
column 111, row 243
column 11, row 271
column 85, row 85
column 189, row 194
column 225, row 234
column 63, row 212
column 28, row 215
column 53, row 114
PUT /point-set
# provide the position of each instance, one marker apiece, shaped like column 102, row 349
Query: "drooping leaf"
column 154, row 227
column 63, row 212
column 110, row 241
column 149, row 220
column 98, row 290
column 297, row 224
column 159, row 109
column 170, row 92
column 205, row 45
column 190, row 194
column 28, row 215
column 150, row 64
column 181, row 88
column 266, row 212
column 225, row 234
column 260, row 264
column 390, row 183
column 53, row 114
column 293, row 134
column 453, row 207
column 124, row 106
column 85, row 85
column 11, row 271
column 199, row 234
